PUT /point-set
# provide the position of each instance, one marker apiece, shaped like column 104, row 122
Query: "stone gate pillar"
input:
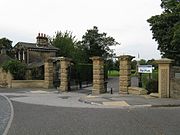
column 98, row 75
column 64, row 67
column 125, row 73
column 48, row 73
column 164, row 77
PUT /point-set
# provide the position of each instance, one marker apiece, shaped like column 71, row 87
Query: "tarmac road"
column 5, row 114
column 48, row 120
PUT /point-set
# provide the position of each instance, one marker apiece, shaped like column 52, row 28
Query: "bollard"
column 111, row 91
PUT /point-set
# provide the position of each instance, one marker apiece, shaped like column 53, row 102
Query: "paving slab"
column 52, row 97
column 131, row 100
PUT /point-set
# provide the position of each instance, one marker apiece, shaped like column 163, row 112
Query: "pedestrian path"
column 120, row 100
column 85, row 100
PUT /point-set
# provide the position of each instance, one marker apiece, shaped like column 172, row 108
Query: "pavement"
column 83, row 99
column 129, row 101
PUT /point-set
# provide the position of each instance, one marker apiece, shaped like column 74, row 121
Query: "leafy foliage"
column 98, row 44
column 16, row 68
column 152, row 86
column 65, row 42
column 166, row 29
column 153, row 63
column 68, row 46
column 134, row 64
column 7, row 45
column 142, row 62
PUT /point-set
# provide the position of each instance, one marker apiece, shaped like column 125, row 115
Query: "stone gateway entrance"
column 59, row 68
column 125, row 73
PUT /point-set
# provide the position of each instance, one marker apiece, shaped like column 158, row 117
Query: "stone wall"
column 35, row 56
column 137, row 91
column 5, row 78
column 175, row 82
column 28, row 84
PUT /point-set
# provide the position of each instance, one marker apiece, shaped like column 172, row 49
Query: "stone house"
column 35, row 54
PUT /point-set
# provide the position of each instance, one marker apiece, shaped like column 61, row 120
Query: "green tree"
column 134, row 64
column 109, row 64
column 98, row 44
column 65, row 42
column 142, row 62
column 7, row 45
column 69, row 46
column 166, row 29
column 116, row 65
column 153, row 63
column 16, row 68
column 79, row 54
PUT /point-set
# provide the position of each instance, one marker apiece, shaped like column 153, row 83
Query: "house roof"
column 34, row 46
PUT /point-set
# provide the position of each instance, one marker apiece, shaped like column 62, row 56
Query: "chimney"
column 42, row 40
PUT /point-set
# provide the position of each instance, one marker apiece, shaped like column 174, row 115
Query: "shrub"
column 16, row 68
column 152, row 86
column 133, row 71
column 113, row 73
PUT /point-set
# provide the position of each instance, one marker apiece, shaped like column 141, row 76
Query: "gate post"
column 64, row 65
column 164, row 77
column 48, row 73
column 124, row 73
column 98, row 75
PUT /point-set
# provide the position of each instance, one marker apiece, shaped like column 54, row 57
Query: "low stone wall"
column 27, row 84
column 175, row 82
column 5, row 78
column 137, row 91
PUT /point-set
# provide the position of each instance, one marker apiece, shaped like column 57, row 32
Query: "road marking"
column 11, row 116
column 39, row 91
column 116, row 103
column 91, row 96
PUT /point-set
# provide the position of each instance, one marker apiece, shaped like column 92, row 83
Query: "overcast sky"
column 125, row 20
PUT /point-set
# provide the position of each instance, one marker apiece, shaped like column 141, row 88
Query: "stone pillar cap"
column 125, row 57
column 164, row 61
column 64, row 59
column 96, row 58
